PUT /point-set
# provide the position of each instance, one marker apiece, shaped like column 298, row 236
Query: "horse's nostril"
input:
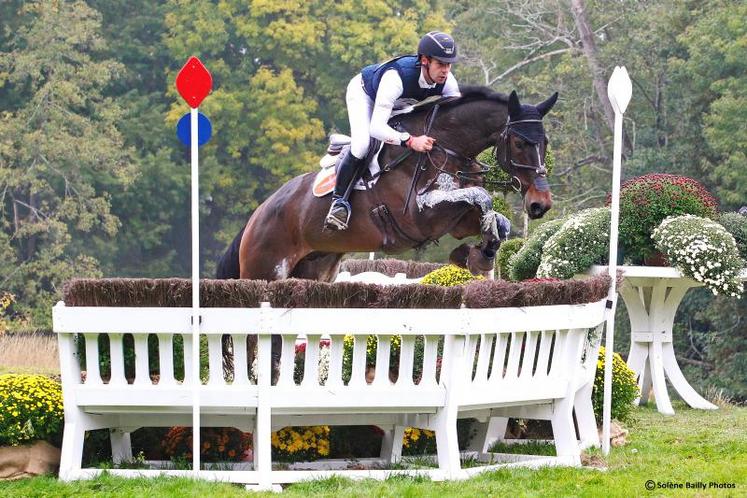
column 535, row 209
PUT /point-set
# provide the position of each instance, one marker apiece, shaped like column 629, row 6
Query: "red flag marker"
column 194, row 82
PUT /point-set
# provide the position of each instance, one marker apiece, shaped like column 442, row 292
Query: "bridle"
column 540, row 180
column 509, row 165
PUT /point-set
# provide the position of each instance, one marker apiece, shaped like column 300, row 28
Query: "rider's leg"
column 360, row 107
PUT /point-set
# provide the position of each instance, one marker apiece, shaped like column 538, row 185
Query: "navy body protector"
column 408, row 68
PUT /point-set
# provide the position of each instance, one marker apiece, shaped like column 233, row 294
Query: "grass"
column 530, row 448
column 694, row 445
column 26, row 353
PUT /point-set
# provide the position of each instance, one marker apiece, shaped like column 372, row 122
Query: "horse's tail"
column 228, row 266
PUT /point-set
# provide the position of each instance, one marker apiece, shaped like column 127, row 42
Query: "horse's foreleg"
column 481, row 219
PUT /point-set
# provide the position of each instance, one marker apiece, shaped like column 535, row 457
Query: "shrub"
column 30, row 409
column 703, row 250
column 582, row 241
column 500, row 205
column 646, row 200
column 524, row 263
column 507, row 249
column 624, row 388
column 736, row 224
column 449, row 275
column 6, row 301
column 217, row 444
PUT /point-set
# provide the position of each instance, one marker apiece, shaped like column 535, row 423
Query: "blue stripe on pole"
column 204, row 129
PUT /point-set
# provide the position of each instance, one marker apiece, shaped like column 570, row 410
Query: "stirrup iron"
column 332, row 221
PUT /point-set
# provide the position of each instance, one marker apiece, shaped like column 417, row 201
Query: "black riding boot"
column 351, row 168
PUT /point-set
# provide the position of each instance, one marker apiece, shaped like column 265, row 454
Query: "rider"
column 370, row 98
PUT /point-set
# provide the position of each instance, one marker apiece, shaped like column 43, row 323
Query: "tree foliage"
column 61, row 155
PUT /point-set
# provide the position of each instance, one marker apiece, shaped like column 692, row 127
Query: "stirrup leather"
column 339, row 214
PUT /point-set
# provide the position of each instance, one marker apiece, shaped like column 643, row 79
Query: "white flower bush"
column 703, row 250
column 581, row 242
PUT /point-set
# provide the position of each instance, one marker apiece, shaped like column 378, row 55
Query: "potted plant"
column 646, row 200
column 703, row 250
column 31, row 417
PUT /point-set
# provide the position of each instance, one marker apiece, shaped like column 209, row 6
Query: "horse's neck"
column 470, row 128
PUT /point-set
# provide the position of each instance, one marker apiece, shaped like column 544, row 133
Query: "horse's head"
column 521, row 153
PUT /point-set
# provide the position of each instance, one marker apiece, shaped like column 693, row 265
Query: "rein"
column 509, row 165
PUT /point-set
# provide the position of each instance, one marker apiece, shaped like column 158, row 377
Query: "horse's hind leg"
column 321, row 266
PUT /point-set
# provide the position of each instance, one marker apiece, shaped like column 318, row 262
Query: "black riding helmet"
column 439, row 46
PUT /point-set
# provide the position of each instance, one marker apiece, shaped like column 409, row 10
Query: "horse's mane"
column 469, row 93
column 474, row 92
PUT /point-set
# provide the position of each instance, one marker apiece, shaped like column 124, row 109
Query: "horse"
column 285, row 238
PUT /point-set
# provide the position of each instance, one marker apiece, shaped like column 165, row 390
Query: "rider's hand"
column 423, row 143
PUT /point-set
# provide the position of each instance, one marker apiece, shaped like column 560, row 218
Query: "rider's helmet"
column 439, row 46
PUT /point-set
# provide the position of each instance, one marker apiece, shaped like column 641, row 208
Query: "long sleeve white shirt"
column 388, row 98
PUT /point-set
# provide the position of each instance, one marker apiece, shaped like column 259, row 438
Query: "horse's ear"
column 514, row 106
column 544, row 107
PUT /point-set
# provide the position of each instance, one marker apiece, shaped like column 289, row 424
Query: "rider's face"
column 435, row 71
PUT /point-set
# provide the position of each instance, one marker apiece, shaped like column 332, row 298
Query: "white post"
column 619, row 91
column 195, row 294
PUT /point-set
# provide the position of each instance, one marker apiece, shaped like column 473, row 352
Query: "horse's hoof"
column 460, row 255
column 477, row 262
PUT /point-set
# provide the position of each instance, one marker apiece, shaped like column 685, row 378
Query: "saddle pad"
column 324, row 183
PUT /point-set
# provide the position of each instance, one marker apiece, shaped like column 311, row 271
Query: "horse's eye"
column 520, row 144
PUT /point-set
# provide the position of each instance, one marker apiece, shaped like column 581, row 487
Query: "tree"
column 280, row 69
column 60, row 151
column 713, row 71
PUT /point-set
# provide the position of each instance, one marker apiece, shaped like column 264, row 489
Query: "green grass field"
column 693, row 446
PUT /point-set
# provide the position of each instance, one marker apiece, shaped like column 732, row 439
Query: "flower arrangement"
column 624, row 388
column 703, row 250
column 736, row 224
column 524, row 263
column 581, row 241
column 646, row 200
column 300, row 443
column 30, row 409
column 218, row 444
column 507, row 249
column 449, row 275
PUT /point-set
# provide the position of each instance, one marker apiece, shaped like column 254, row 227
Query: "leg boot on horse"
column 351, row 169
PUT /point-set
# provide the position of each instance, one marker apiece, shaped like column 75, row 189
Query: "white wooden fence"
column 533, row 363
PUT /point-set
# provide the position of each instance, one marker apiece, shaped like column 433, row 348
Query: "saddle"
column 339, row 145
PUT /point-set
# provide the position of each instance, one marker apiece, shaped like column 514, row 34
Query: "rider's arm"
column 390, row 89
column 451, row 87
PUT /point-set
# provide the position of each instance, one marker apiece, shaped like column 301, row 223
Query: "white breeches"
column 360, row 108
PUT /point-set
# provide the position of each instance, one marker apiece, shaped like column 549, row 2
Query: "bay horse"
column 285, row 238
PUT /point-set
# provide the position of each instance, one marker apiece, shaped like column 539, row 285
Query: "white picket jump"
column 527, row 362
column 372, row 277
